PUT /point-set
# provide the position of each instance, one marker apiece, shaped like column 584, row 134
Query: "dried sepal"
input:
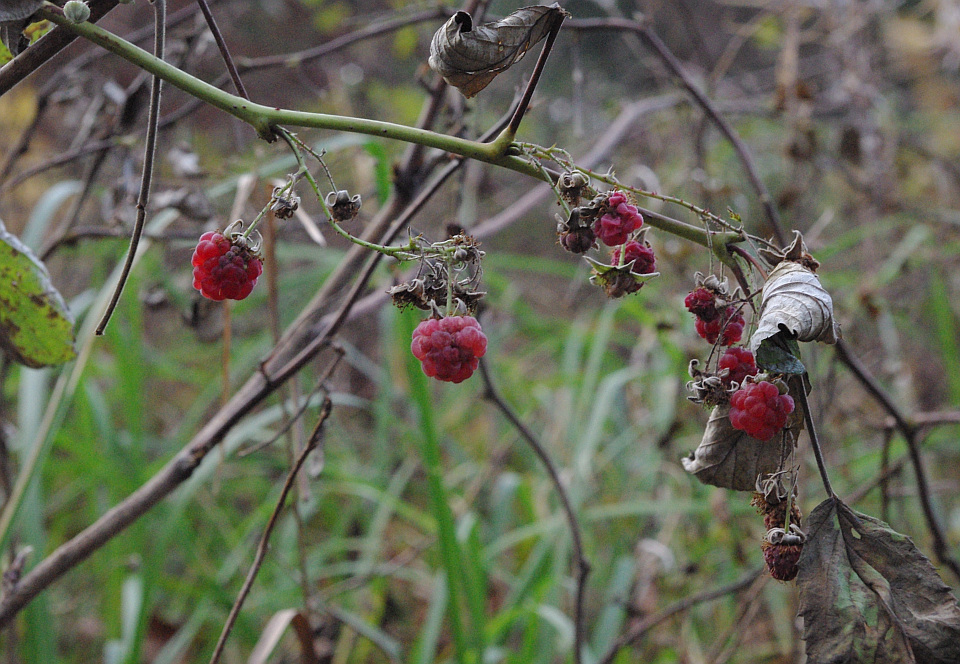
column 707, row 388
column 793, row 300
column 14, row 17
column 469, row 57
column 343, row 206
column 618, row 280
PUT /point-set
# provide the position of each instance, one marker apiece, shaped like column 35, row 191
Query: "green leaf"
column 36, row 328
column 780, row 354
column 867, row 594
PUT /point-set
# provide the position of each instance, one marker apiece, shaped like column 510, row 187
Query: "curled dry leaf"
column 794, row 300
column 14, row 15
column 469, row 57
column 729, row 458
column 867, row 594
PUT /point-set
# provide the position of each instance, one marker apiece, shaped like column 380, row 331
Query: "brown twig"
column 491, row 394
column 153, row 116
column 521, row 109
column 909, row 432
column 640, row 629
column 644, row 31
column 315, row 440
column 224, row 51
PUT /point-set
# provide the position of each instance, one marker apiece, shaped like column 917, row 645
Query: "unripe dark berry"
column 782, row 560
column 450, row 348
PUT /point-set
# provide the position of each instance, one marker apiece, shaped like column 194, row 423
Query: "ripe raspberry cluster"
column 641, row 255
column 760, row 410
column 714, row 322
column 449, row 348
column 225, row 268
column 614, row 226
column 739, row 363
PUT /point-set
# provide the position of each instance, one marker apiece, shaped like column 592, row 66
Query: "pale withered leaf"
column 794, row 300
column 729, row 458
column 469, row 57
column 867, row 594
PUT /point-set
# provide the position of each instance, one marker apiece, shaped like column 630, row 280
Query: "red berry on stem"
column 739, row 362
column 702, row 303
column 644, row 260
column 760, row 410
column 730, row 325
column 224, row 269
column 614, row 227
column 449, row 348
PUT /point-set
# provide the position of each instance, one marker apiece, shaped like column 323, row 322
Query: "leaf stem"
column 814, row 439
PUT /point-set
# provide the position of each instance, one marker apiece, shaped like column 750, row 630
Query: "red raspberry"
column 740, row 363
column 702, row 303
column 760, row 410
column 618, row 222
column 224, row 269
column 782, row 560
column 731, row 324
column 449, row 348
column 644, row 261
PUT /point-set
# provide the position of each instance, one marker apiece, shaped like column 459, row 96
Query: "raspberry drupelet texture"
column 644, row 261
column 621, row 219
column 739, row 362
column 702, row 303
column 760, row 410
column 782, row 560
column 727, row 327
column 449, row 348
column 224, row 270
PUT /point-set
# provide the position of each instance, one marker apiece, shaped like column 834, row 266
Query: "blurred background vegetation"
column 850, row 112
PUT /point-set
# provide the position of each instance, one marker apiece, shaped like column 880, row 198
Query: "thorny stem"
column 315, row 439
column 153, row 115
column 401, row 253
column 266, row 120
column 583, row 565
column 642, row 29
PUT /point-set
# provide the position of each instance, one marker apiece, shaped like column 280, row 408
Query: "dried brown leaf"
column 729, row 458
column 867, row 594
column 794, row 300
column 469, row 57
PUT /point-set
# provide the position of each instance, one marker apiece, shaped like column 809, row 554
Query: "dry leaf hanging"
column 794, row 300
column 14, row 16
column 868, row 594
column 469, row 57
column 729, row 458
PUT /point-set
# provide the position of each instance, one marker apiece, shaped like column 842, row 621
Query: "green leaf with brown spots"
column 867, row 594
column 36, row 328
